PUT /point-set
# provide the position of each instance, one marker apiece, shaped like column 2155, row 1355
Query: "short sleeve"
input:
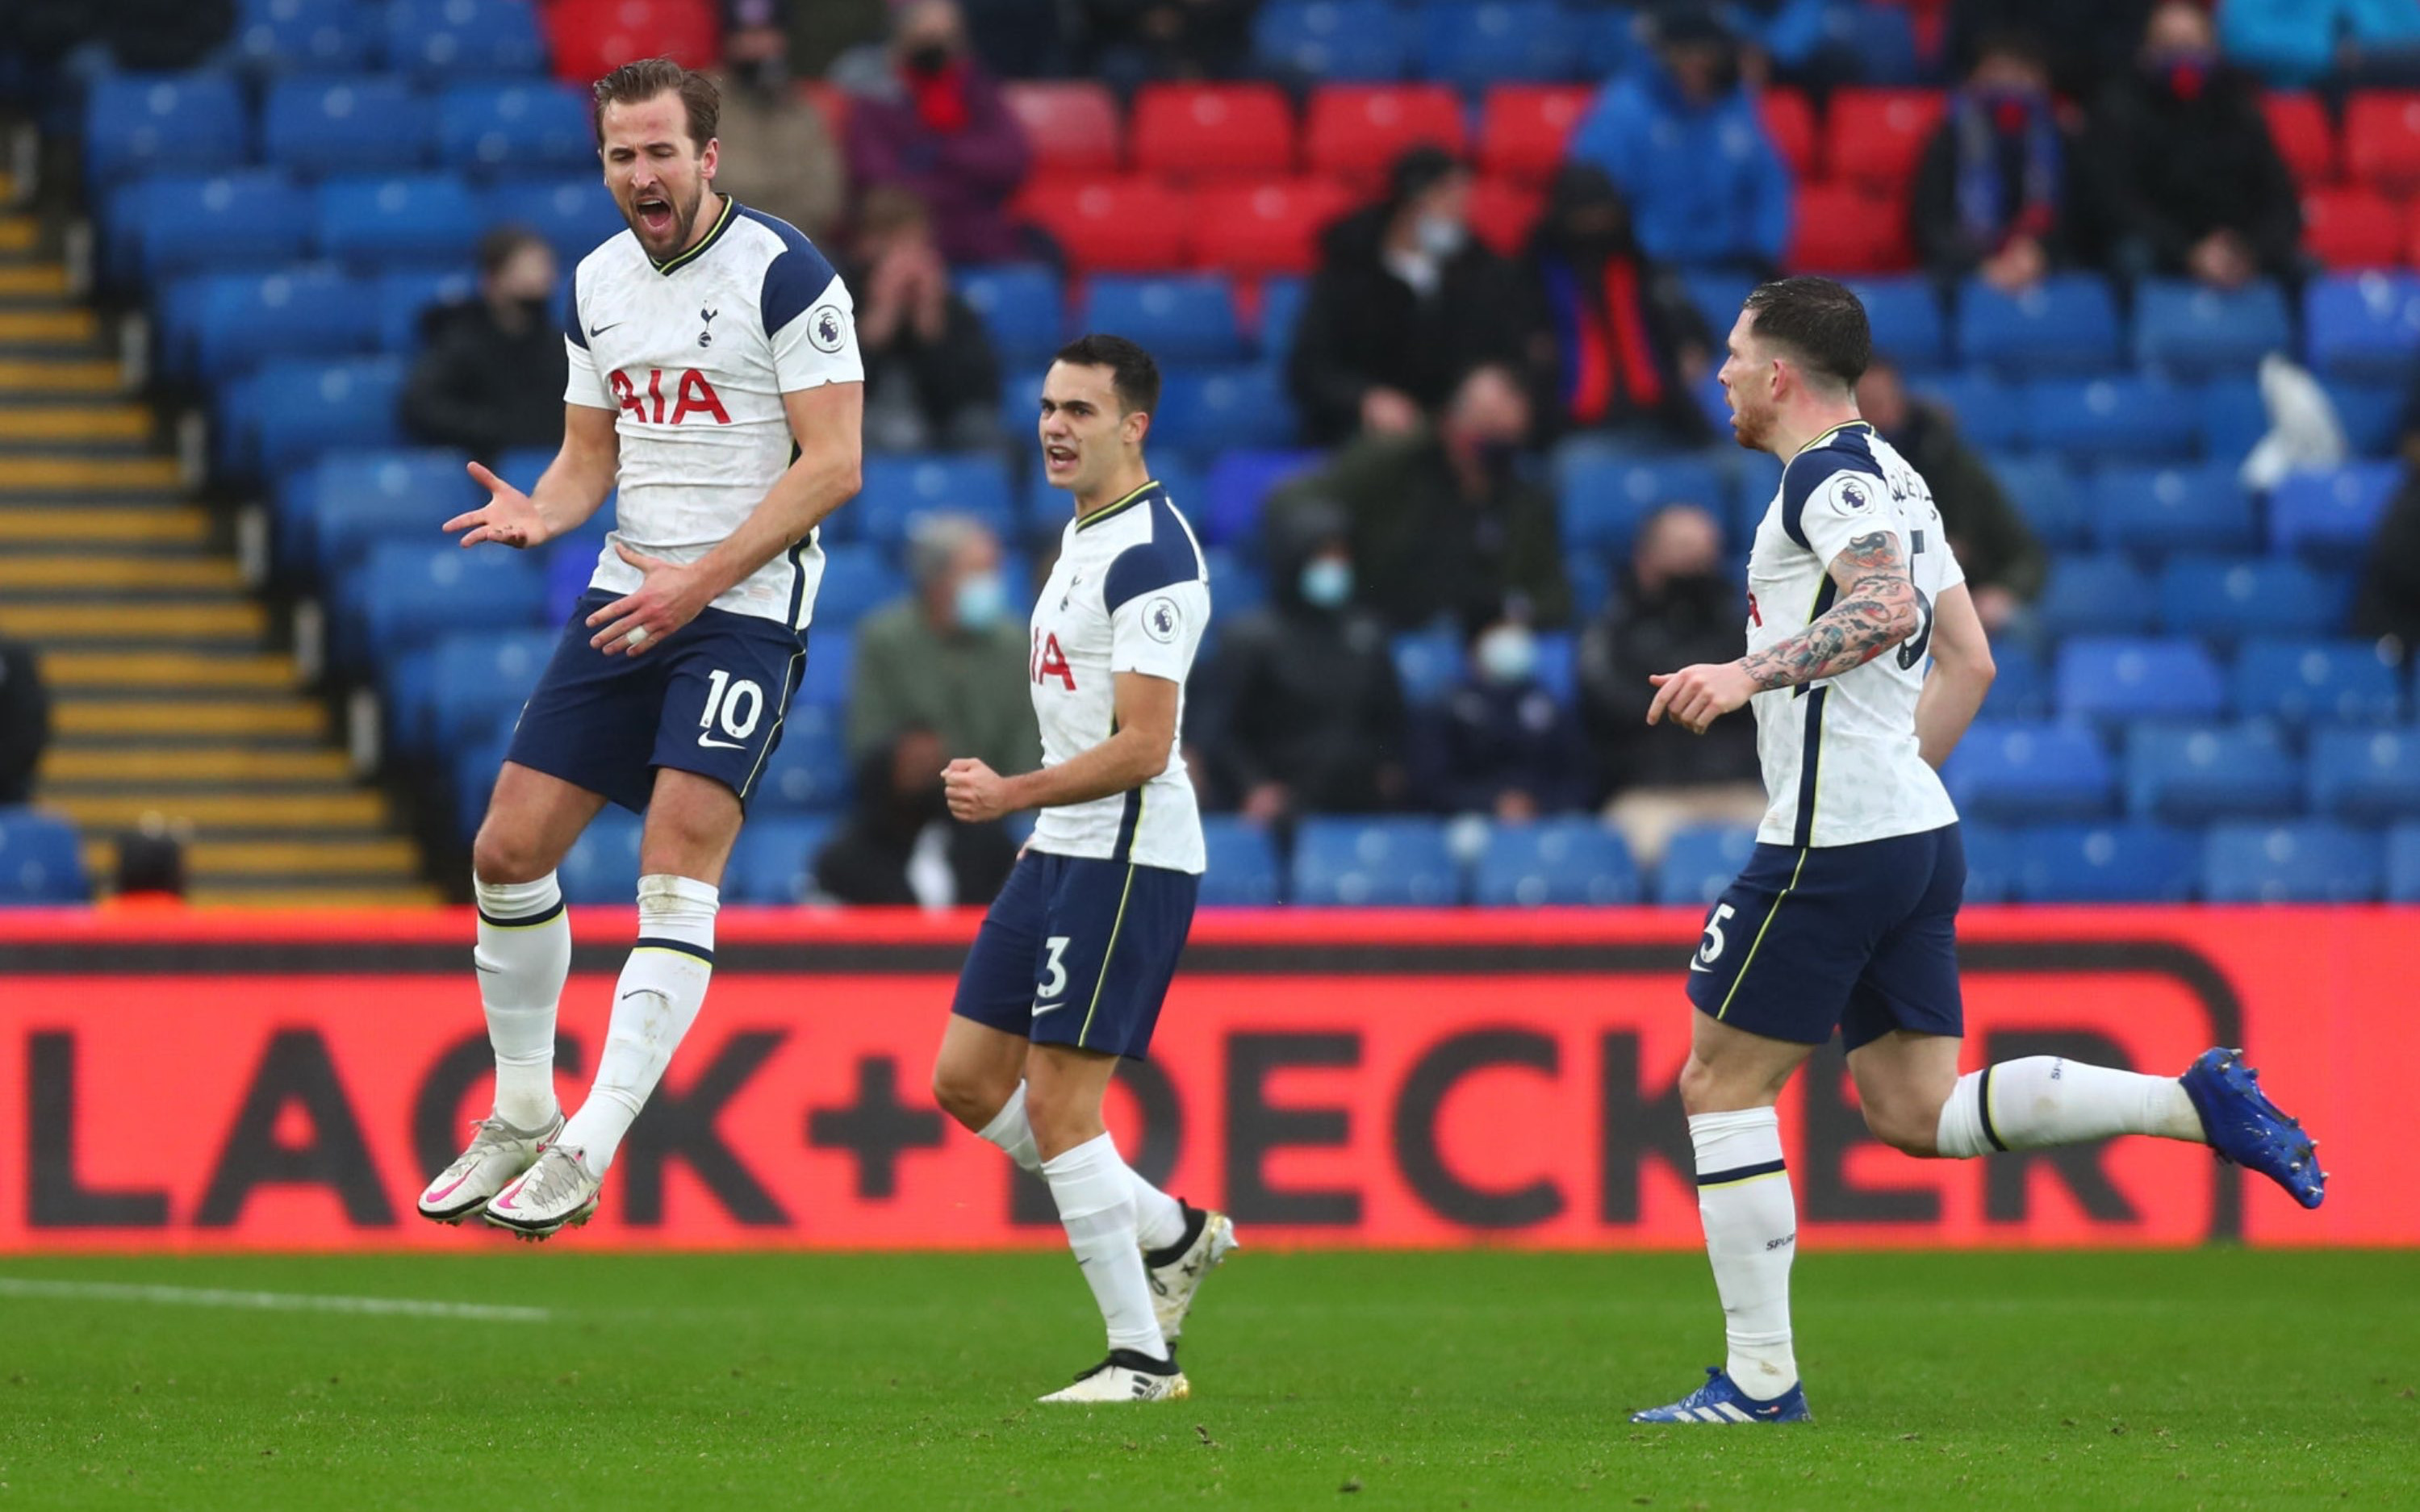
column 583, row 385
column 1156, row 632
column 810, row 321
column 1830, row 498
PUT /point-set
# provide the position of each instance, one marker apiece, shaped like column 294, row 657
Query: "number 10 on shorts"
column 737, row 705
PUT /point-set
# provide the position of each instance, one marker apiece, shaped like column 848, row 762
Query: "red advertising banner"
column 204, row 1082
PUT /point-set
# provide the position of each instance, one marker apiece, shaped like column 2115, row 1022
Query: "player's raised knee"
column 968, row 1095
column 507, row 853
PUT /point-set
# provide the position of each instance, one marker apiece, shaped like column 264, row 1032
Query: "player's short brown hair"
column 644, row 79
column 1820, row 321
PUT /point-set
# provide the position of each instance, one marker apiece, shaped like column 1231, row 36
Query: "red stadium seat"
column 2382, row 140
column 1503, row 213
column 1356, row 130
column 1113, row 224
column 1273, row 227
column 2304, row 138
column 2353, row 227
column 1072, row 127
column 1201, row 131
column 1878, row 135
column 590, row 39
column 1790, row 121
column 1524, row 126
column 1848, row 229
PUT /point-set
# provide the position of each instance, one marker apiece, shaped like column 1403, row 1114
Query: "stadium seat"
column 408, row 595
column 1206, row 409
column 350, row 500
column 2157, row 511
column 773, row 861
column 2020, row 772
column 2106, row 864
column 1018, row 303
column 1071, row 124
column 516, row 128
column 1373, row 863
column 1906, row 319
column 832, row 662
column 2052, row 502
column 1606, row 497
column 1280, row 311
column 443, row 40
column 1332, row 40
column 1269, row 227
column 1213, row 131
column 2313, row 682
column 2109, row 678
column 2229, row 416
column 2066, row 324
column 2021, row 689
column 173, row 225
column 592, row 37
column 1427, row 663
column 603, row 866
column 1844, row 227
column 299, row 35
column 1877, row 136
column 1355, row 131
column 1116, row 224
column 1243, row 863
column 308, row 407
column 1503, row 214
column 2112, row 419
column 2332, row 516
column 2186, row 330
column 2370, row 413
column 810, row 771
column 2193, row 774
column 362, row 123
column 1990, row 414
column 2403, row 864
column 1991, row 862
column 1554, row 861
column 1610, row 44
column 2366, row 777
column 899, row 489
column 2103, row 594
column 2364, row 325
column 480, row 682
column 1523, row 128
column 405, row 220
column 2307, row 862
column 1181, row 317
column 576, row 216
column 41, row 861
column 1701, row 861
column 2382, row 139
column 1238, row 485
column 2306, row 138
column 859, row 578
column 1473, row 45
column 2232, row 598
column 2353, row 228
column 141, row 122
column 404, row 298
column 1789, row 121
column 1716, row 293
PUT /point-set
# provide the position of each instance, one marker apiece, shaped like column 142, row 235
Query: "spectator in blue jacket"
column 1683, row 141
column 2299, row 42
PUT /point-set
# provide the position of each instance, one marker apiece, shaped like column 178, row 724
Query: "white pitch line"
column 278, row 1301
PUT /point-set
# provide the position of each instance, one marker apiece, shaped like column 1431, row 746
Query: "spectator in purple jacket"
column 934, row 123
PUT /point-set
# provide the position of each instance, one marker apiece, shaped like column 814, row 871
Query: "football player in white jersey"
column 715, row 380
column 1069, row 969
column 1846, row 915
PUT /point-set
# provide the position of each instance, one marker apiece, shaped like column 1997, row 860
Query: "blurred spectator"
column 1299, row 710
column 1678, row 607
column 834, row 38
column 137, row 34
column 1617, row 345
column 933, row 122
column 2302, row 42
column 2191, row 183
column 490, row 372
column 2386, row 607
column 1405, row 302
column 776, row 154
column 1443, row 523
column 900, row 846
column 2088, row 41
column 949, row 658
column 2003, row 563
column 1683, row 139
column 1500, row 744
column 931, row 378
column 1139, row 41
column 151, row 867
column 25, row 721
column 1993, row 194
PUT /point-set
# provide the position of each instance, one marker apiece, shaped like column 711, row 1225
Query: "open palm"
column 509, row 517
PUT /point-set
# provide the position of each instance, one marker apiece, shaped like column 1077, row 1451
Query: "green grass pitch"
column 2209, row 1379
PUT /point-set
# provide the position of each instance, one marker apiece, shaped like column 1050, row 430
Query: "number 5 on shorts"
column 1712, row 950
column 1055, row 980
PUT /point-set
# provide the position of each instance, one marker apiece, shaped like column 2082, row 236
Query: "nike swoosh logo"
column 1040, row 1008
column 595, row 332
column 713, row 744
column 1699, row 965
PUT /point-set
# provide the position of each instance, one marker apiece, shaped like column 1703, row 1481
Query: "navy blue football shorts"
column 709, row 700
column 1862, row 939
column 1079, row 953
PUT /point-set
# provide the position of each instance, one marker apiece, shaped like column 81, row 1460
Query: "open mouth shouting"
column 654, row 214
column 1057, row 458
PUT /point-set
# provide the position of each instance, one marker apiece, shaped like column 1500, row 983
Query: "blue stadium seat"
column 399, row 221
column 1606, row 497
column 2106, row 864
column 2185, row 329
column 1019, row 306
column 1373, row 863
column 2229, row 416
column 142, row 122
column 2066, row 324
column 1428, row 663
column 2313, row 682
column 2403, row 864
column 338, row 510
column 482, row 680
column 575, row 216
column 408, row 595
column 773, row 861
column 1716, row 293
column 535, row 126
column 1701, row 861
column 859, row 578
column 240, row 319
column 308, row 407
column 366, row 123
column 1181, row 317
column 404, row 300
column 1905, row 318
column 2363, row 326
column 172, row 224
column 2190, row 775
column 1559, row 666
column 1242, row 869
column 831, row 661
column 603, row 868
column 1239, row 484
column 2308, row 862
column 2048, row 497
column 1991, row 862
column 2019, row 772
column 1204, row 409
column 2109, row 678
column 41, row 861
column 1590, row 575
column 1237, row 586
column 2022, row 688
column 318, row 35
column 2159, row 511
column 2104, row 595
column 1993, row 416
column 2229, row 598
column 2366, row 775
column 899, row 490
column 2371, row 414
column 1881, row 37
column 1554, row 861
column 2332, row 516
column 472, row 774
column 810, row 771
column 1473, row 46
column 1337, row 40
column 1282, row 297
column 443, row 40
column 2112, row 419
column 1610, row 46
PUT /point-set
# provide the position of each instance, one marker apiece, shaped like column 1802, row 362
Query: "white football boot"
column 498, row 1153
column 1176, row 1272
column 1127, row 1376
column 556, row 1193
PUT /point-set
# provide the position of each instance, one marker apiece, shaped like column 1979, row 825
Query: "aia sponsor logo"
column 692, row 396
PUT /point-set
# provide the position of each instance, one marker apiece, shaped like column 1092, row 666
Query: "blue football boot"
column 1720, row 1400
column 2247, row 1130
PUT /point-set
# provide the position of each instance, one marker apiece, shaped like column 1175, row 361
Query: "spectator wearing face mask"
column 777, row 155
column 949, row 658
column 490, row 372
column 1994, row 195
column 1405, row 303
column 900, row 846
column 1679, row 601
column 2003, row 559
column 1500, row 744
column 933, row 122
column 931, row 381
column 1445, row 523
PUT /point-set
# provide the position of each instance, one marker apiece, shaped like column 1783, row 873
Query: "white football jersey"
column 696, row 354
column 1130, row 594
column 1841, row 756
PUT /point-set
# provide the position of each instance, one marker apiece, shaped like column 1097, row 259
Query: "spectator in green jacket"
column 949, row 657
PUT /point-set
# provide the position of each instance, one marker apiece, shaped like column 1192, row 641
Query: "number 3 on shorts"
column 1055, row 982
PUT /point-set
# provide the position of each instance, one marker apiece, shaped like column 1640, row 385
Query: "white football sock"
column 1159, row 1219
column 663, row 987
column 1095, row 1195
column 2047, row 1100
column 524, row 956
column 1751, row 1223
